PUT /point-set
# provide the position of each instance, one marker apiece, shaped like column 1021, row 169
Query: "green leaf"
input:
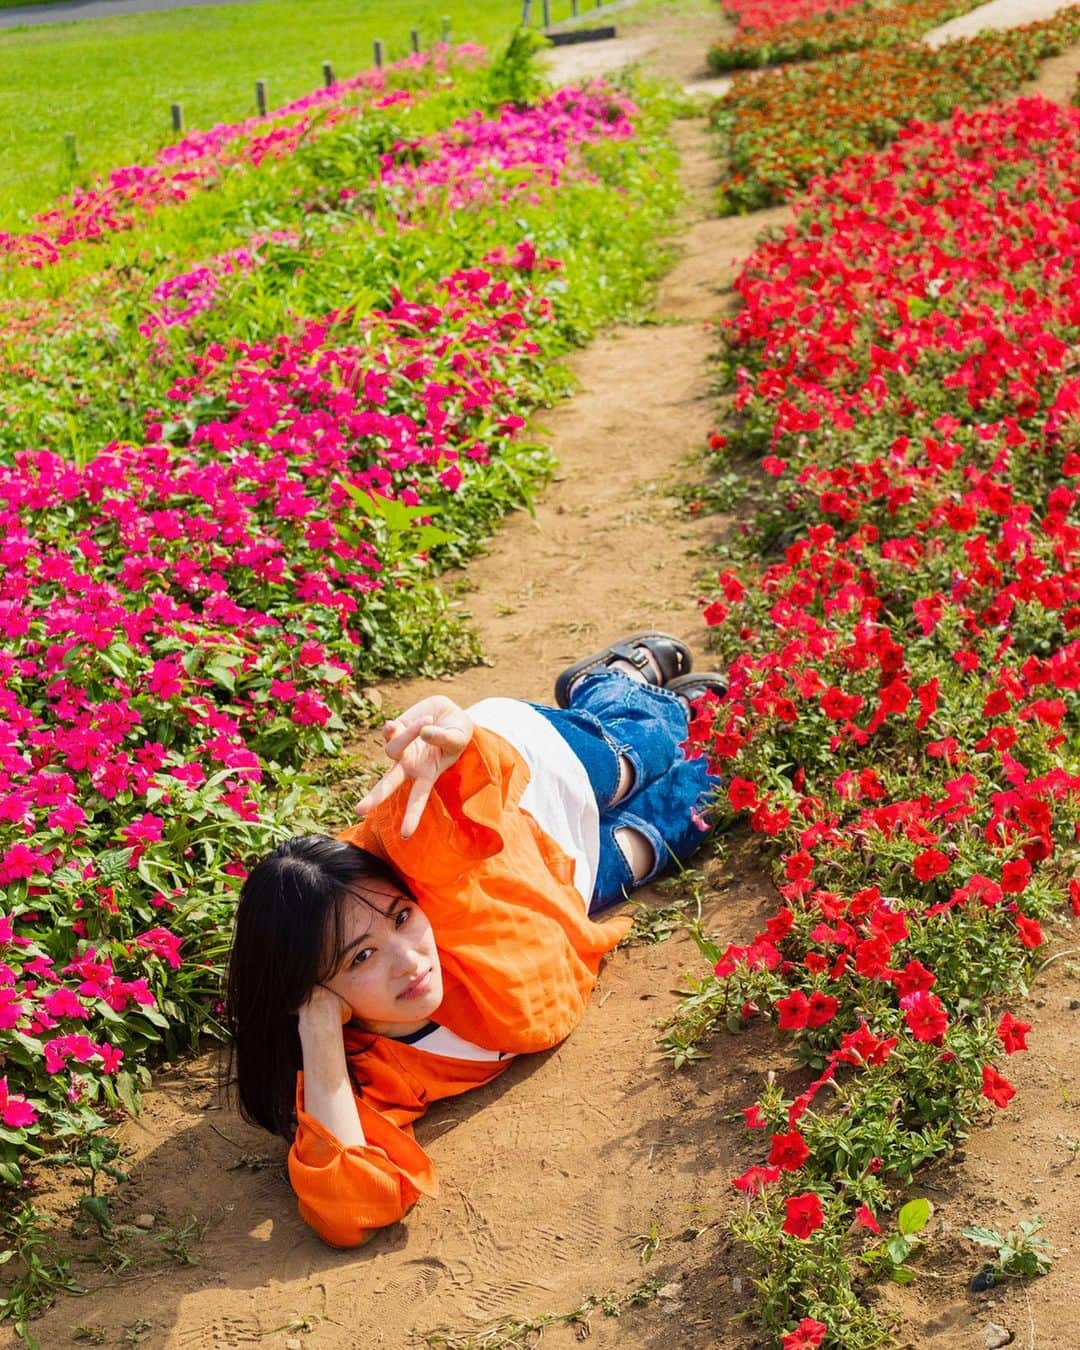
column 97, row 1207
column 914, row 1216
column 898, row 1248
column 901, row 1275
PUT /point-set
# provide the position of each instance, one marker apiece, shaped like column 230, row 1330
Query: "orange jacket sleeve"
column 345, row 1194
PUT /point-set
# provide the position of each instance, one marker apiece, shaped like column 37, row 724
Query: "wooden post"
column 414, row 38
column 260, row 97
column 445, row 29
column 70, row 150
column 327, row 74
column 177, row 116
column 574, row 8
column 547, row 13
column 526, row 6
column 378, row 54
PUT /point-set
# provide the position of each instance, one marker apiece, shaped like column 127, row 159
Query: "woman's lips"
column 419, row 986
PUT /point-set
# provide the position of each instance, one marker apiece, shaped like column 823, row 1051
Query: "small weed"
column 137, row 1332
column 94, row 1335
column 1020, row 1253
column 888, row 1257
column 524, row 1332
column 37, row 1278
column 304, row 1324
column 656, row 923
column 722, row 493
column 648, row 1244
column 252, row 1162
column 176, row 1242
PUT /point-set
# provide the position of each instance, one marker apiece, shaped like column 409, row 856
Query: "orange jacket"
column 519, row 957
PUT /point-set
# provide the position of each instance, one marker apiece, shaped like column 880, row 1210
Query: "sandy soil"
column 558, row 1175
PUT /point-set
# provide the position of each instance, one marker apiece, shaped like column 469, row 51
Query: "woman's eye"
column 402, row 917
column 363, row 955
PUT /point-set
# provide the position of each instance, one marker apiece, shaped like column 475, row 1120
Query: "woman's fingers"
column 452, row 740
column 414, row 808
column 387, row 785
column 404, row 734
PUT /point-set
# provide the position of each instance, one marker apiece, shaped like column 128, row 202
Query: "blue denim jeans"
column 612, row 715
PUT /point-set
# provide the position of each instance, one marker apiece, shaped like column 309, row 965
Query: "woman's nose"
column 407, row 960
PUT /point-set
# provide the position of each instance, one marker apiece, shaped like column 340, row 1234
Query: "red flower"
column 872, row 957
column 822, row 1009
column 912, row 979
column 804, row 1215
column 1028, row 931
column 925, row 1016
column 995, row 1088
column 1074, row 895
column 754, row 1180
column 808, row 1335
column 742, row 794
column 929, row 864
column 793, row 1010
column 1013, row 1034
column 1015, row 876
column 798, row 866
column 865, row 1219
column 789, row 1151
column 754, row 1119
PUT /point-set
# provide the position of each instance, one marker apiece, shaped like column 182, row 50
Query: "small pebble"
column 374, row 697
column 145, row 1221
column 293, row 1343
column 995, row 1336
column 673, row 1290
column 983, row 1280
column 1074, row 1004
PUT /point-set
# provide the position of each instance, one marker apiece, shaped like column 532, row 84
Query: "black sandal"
column 702, row 682
column 672, row 658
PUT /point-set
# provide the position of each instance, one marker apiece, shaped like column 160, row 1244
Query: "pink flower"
column 15, row 1111
column 163, row 944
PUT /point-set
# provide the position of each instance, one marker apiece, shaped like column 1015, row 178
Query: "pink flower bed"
column 194, row 163
column 179, row 613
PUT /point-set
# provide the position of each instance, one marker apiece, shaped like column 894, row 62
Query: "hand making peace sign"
column 424, row 742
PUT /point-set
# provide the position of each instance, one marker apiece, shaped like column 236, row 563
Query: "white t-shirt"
column 559, row 796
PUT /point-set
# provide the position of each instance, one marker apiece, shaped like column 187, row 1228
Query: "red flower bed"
column 764, row 16
column 904, row 662
column 780, row 129
column 837, row 29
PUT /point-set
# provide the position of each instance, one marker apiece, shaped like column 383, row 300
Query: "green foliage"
column 888, row 1258
column 514, row 77
column 53, row 74
column 1019, row 1252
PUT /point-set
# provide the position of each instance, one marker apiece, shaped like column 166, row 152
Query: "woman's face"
column 388, row 969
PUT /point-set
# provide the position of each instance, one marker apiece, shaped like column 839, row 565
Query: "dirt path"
column 557, row 1176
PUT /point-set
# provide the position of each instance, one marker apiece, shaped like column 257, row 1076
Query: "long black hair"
column 289, row 924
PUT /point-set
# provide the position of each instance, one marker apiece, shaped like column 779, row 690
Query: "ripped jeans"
column 612, row 715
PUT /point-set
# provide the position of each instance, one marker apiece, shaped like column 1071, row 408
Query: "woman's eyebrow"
column 398, row 899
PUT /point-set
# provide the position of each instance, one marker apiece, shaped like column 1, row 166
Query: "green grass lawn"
column 111, row 81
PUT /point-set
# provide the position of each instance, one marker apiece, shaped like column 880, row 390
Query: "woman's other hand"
column 423, row 742
column 322, row 1010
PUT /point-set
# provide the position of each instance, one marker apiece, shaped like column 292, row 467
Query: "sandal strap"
column 671, row 658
